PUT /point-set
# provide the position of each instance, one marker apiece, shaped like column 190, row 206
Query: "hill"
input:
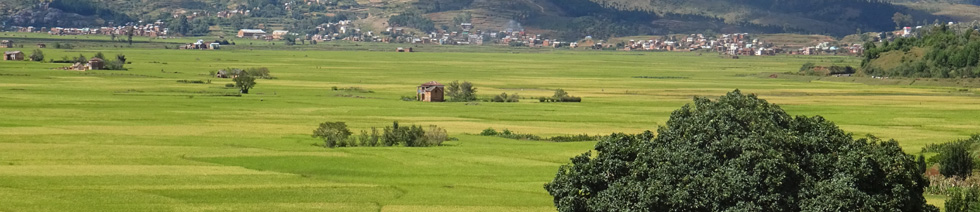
column 567, row 19
column 944, row 51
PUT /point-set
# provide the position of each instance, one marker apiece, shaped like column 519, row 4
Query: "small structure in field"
column 41, row 46
column 6, row 44
column 13, row 55
column 400, row 49
column 431, row 92
column 96, row 64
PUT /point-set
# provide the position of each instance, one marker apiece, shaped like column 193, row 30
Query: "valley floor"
column 139, row 140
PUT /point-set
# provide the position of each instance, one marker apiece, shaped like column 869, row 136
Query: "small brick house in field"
column 431, row 92
column 13, row 55
column 96, row 64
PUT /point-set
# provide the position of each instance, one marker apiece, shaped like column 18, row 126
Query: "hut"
column 221, row 74
column 13, row 55
column 6, row 44
column 41, row 46
column 431, row 92
column 96, row 64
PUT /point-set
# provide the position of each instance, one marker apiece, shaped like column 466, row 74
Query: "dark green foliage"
column 948, row 55
column 412, row 20
column 244, row 82
column 37, row 55
column 410, row 136
column 503, row 97
column 489, row 132
column 807, row 66
column 955, row 160
column 90, row 8
column 741, row 153
column 963, row 200
column 560, row 96
column 461, row 92
column 431, row 6
column 518, row 136
column 375, row 137
column 81, row 59
column 810, row 69
column 332, row 133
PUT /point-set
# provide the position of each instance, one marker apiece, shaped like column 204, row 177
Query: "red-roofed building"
column 431, row 92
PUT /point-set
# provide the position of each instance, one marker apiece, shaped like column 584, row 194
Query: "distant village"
column 733, row 45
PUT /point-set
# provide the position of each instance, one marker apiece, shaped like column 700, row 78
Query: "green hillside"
column 568, row 19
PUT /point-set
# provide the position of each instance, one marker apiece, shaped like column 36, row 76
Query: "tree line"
column 336, row 134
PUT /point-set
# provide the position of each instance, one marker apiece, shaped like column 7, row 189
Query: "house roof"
column 431, row 83
column 95, row 59
column 253, row 31
column 13, row 52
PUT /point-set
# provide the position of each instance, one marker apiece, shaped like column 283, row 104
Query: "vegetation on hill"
column 949, row 54
column 741, row 153
column 566, row 19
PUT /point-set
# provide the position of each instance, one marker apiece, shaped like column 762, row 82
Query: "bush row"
column 531, row 137
column 336, row 134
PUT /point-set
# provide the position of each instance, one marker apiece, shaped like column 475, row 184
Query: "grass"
column 138, row 140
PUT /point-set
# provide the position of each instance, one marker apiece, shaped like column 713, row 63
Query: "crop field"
column 139, row 140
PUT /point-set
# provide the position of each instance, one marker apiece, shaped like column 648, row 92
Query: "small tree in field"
column 364, row 138
column 461, row 92
column 332, row 133
column 244, row 82
column 37, row 55
column 435, row 135
column 375, row 137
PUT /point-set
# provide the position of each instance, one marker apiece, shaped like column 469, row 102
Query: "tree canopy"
column 741, row 153
column 244, row 81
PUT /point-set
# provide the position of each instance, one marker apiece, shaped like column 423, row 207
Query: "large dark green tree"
column 955, row 160
column 741, row 153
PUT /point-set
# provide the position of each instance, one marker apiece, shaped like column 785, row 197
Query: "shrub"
column 435, row 135
column 955, row 160
column 807, row 66
column 489, row 132
column 230, row 85
column 560, row 96
column 332, row 133
column 37, row 55
column 461, row 92
column 503, row 97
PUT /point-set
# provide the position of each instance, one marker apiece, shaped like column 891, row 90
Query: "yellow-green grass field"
column 138, row 140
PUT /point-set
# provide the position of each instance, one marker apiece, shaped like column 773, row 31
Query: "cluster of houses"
column 201, row 45
column 155, row 30
column 92, row 64
column 731, row 44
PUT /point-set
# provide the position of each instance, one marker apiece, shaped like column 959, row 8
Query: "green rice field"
column 139, row 140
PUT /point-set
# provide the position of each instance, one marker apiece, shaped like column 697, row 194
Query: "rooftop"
column 431, row 83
